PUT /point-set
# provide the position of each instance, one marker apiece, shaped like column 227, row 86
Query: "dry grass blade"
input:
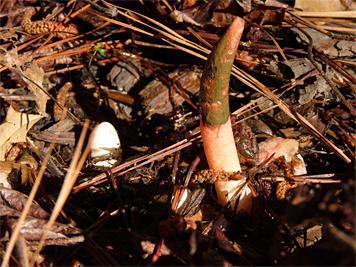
column 148, row 158
column 316, row 178
column 128, row 26
column 154, row 45
column 242, row 111
column 336, row 14
column 199, row 37
column 309, row 24
column 74, row 169
column 31, row 197
column 186, row 50
column 337, row 29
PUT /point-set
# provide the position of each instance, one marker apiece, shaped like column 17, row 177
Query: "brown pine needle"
column 75, row 166
column 317, row 178
column 270, row 36
column 336, row 14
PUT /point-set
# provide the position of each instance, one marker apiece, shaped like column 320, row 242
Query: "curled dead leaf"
column 36, row 74
column 14, row 129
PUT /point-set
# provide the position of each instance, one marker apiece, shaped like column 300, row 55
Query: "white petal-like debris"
column 283, row 147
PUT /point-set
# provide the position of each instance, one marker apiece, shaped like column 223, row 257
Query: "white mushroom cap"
column 105, row 147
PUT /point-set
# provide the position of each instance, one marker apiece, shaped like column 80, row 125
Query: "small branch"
column 111, row 12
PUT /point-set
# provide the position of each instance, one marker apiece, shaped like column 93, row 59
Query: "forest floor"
column 67, row 66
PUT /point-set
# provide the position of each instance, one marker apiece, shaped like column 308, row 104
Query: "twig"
column 315, row 27
column 148, row 158
column 111, row 12
column 175, row 166
column 337, row 14
column 192, row 168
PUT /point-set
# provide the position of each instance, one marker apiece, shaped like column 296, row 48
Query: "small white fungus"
column 105, row 149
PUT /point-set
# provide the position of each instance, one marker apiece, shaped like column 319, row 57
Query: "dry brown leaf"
column 33, row 73
column 329, row 46
column 224, row 243
column 36, row 74
column 311, row 91
column 33, row 227
column 14, row 129
column 189, row 3
column 197, row 15
column 245, row 4
column 7, row 167
column 156, row 95
column 8, row 34
column 12, row 203
column 11, row 58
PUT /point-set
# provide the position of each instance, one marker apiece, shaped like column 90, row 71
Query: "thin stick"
column 111, row 12
column 336, row 14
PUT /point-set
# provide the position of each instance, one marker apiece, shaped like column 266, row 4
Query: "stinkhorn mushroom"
column 215, row 124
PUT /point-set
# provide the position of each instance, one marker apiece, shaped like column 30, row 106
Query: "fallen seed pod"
column 42, row 27
column 105, row 148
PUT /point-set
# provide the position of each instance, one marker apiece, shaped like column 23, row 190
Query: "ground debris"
column 159, row 99
column 140, row 70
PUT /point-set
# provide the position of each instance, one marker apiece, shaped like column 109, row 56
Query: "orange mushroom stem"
column 215, row 124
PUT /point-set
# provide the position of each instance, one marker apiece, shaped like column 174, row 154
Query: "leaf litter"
column 146, row 84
